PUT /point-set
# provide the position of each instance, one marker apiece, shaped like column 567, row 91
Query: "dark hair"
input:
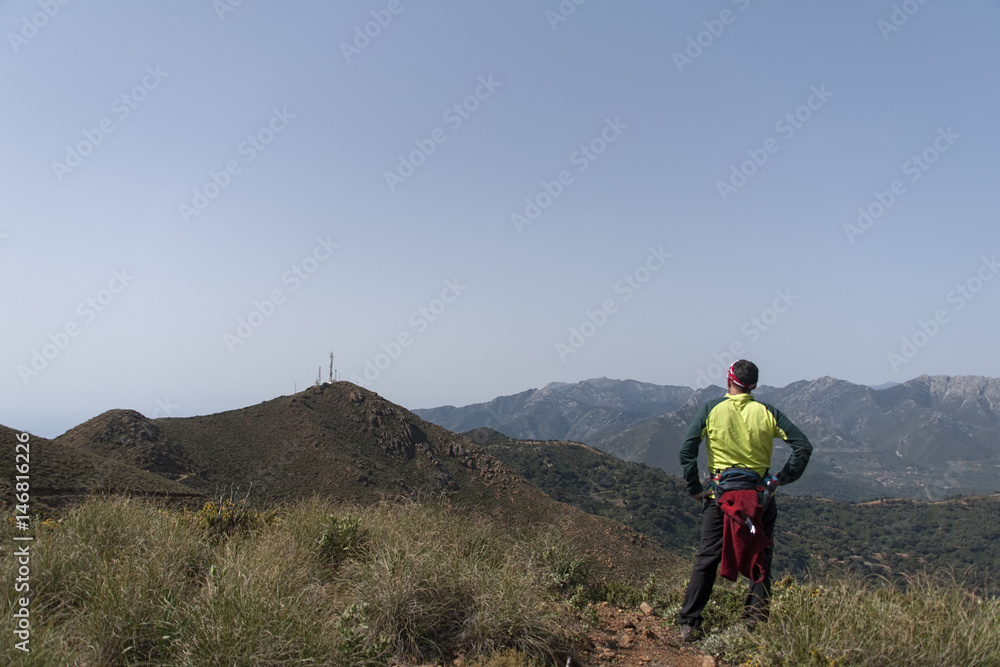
column 746, row 372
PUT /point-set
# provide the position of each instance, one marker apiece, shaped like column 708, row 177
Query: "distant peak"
column 884, row 385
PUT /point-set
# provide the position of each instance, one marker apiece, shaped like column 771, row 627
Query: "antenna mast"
column 331, row 366
column 319, row 374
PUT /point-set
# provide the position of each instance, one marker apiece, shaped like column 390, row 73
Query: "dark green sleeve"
column 801, row 448
column 689, row 448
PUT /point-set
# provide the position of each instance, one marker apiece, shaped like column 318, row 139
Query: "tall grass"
column 437, row 584
column 854, row 623
column 850, row 622
column 127, row 582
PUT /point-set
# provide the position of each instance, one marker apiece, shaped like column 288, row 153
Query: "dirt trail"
column 630, row 638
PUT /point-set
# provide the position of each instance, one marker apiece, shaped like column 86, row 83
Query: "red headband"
column 732, row 378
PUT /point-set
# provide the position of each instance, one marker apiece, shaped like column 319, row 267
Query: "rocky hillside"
column 335, row 440
column 639, row 496
column 562, row 411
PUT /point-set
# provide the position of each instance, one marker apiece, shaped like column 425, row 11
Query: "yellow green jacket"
column 740, row 432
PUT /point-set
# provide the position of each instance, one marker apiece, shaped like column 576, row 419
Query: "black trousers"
column 706, row 567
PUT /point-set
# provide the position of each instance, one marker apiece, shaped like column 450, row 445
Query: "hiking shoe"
column 689, row 633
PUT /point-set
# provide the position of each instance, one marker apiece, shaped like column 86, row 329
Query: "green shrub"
column 562, row 568
column 618, row 593
column 623, row 595
column 357, row 646
column 342, row 539
column 228, row 515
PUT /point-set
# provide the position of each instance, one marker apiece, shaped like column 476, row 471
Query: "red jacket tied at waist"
column 742, row 552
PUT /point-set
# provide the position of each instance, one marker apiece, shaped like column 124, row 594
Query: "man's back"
column 740, row 431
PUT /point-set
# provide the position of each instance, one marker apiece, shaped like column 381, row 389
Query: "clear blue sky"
column 169, row 169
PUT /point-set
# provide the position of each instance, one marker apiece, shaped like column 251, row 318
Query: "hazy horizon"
column 55, row 427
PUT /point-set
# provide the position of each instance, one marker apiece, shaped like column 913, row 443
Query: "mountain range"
column 931, row 437
column 345, row 443
column 336, row 440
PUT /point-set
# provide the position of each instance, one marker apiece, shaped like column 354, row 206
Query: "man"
column 739, row 432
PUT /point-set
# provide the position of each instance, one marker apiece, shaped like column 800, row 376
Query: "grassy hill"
column 891, row 538
column 647, row 499
column 120, row 581
column 372, row 535
column 61, row 473
column 126, row 582
column 337, row 441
